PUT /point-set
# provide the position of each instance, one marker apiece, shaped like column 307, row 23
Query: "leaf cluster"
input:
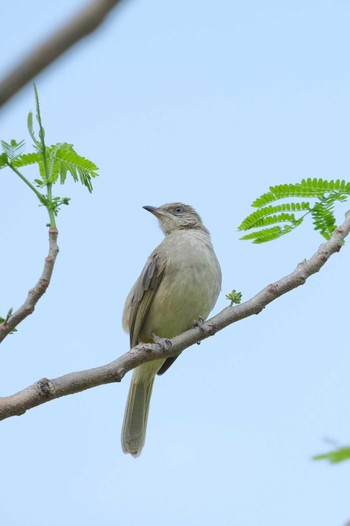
column 54, row 163
column 270, row 220
column 234, row 297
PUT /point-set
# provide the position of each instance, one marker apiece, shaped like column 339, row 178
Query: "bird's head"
column 176, row 216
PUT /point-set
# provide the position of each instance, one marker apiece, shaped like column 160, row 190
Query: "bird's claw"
column 164, row 343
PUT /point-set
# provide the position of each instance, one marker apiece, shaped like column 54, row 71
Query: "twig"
column 36, row 292
column 45, row 390
column 87, row 20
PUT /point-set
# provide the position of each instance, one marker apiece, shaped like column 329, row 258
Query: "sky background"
column 209, row 104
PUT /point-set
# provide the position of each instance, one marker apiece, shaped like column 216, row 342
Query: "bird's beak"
column 154, row 210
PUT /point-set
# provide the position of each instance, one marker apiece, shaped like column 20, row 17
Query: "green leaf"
column 52, row 163
column 269, row 234
column 323, row 214
column 31, row 130
column 261, row 217
column 38, row 118
column 338, row 455
column 12, row 149
column 39, row 182
column 3, row 160
column 306, row 188
column 261, row 236
column 42, row 170
column 26, row 159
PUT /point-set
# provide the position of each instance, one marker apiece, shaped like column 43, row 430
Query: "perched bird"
column 178, row 285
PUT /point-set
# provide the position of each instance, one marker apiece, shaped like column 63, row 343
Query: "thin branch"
column 84, row 23
column 36, row 292
column 45, row 390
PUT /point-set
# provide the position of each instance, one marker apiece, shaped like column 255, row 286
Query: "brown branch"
column 45, row 390
column 84, row 23
column 36, row 292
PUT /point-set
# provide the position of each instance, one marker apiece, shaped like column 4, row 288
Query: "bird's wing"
column 142, row 294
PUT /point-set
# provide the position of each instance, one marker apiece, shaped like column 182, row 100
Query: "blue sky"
column 208, row 104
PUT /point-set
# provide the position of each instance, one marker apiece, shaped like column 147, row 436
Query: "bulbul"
column 178, row 285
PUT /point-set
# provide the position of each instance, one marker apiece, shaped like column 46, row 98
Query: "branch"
column 84, row 23
column 45, row 390
column 36, row 292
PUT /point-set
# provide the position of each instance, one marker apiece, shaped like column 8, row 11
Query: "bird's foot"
column 164, row 343
column 198, row 323
column 144, row 347
column 206, row 328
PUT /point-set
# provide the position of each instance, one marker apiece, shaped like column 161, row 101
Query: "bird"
column 178, row 286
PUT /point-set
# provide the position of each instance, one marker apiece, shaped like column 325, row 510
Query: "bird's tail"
column 137, row 407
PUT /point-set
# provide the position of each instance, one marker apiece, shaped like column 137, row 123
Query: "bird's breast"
column 189, row 288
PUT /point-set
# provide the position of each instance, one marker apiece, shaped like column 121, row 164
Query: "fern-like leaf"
column 259, row 217
column 12, row 149
column 323, row 214
column 26, row 159
column 54, row 163
column 61, row 159
column 269, row 234
column 307, row 188
column 326, row 193
column 79, row 167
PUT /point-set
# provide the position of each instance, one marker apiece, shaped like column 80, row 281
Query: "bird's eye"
column 178, row 209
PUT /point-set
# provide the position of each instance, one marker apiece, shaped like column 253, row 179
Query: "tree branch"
column 45, row 390
column 84, row 23
column 36, row 292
